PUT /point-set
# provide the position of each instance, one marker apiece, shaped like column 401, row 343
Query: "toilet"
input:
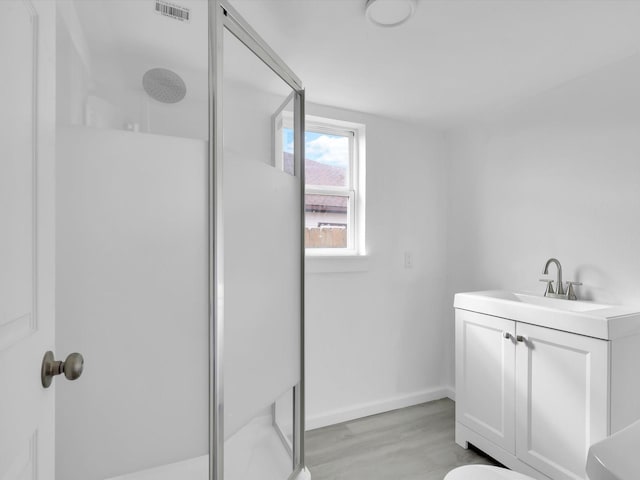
column 484, row 472
column 614, row 458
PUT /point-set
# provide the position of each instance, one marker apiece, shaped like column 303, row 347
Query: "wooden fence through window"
column 325, row 237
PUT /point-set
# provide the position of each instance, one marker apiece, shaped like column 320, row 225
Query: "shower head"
column 164, row 85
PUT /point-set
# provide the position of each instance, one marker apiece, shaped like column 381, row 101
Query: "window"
column 334, row 174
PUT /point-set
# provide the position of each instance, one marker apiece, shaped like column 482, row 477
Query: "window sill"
column 336, row 263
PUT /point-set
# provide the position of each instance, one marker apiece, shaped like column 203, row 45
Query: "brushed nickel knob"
column 506, row 335
column 520, row 338
column 72, row 367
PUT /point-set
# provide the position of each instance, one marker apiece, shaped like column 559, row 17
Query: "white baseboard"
column 451, row 392
column 380, row 406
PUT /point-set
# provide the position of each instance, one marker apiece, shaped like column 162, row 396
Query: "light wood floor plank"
column 414, row 443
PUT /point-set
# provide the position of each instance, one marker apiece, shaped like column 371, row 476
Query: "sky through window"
column 321, row 147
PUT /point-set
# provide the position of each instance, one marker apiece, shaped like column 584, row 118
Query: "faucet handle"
column 571, row 294
column 549, row 288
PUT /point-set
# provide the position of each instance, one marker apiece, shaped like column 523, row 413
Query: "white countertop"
column 585, row 318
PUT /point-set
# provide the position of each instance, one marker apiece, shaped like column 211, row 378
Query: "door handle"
column 71, row 367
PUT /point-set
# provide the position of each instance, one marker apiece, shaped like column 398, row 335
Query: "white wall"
column 556, row 175
column 375, row 338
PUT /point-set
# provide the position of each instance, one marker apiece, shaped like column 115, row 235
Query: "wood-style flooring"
column 414, row 443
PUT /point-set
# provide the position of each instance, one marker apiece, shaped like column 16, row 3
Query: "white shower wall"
column 132, row 290
column 132, row 296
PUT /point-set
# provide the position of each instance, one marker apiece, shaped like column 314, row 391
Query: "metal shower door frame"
column 222, row 16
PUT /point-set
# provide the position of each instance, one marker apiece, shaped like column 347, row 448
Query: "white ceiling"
column 452, row 60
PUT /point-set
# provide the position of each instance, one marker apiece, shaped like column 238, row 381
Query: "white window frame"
column 355, row 188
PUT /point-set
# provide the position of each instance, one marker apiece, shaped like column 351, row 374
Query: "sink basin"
column 556, row 303
column 582, row 317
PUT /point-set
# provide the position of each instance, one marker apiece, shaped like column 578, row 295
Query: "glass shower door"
column 260, row 315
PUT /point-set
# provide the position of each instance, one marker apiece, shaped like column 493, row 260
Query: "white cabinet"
column 532, row 397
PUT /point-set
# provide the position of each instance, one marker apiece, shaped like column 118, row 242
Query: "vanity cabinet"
column 533, row 397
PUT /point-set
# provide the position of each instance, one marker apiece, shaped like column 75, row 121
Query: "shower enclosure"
column 178, row 244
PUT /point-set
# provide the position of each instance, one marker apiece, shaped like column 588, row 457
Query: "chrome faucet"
column 559, row 292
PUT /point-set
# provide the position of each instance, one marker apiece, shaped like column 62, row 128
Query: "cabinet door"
column 485, row 362
column 561, row 399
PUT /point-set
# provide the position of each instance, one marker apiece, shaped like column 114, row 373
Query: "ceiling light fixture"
column 389, row 13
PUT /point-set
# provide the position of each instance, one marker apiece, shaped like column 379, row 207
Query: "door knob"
column 71, row 367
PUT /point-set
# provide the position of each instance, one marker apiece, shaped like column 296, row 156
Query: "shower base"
column 254, row 452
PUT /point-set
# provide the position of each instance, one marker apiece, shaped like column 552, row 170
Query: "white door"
column 561, row 399
column 485, row 362
column 27, row 57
